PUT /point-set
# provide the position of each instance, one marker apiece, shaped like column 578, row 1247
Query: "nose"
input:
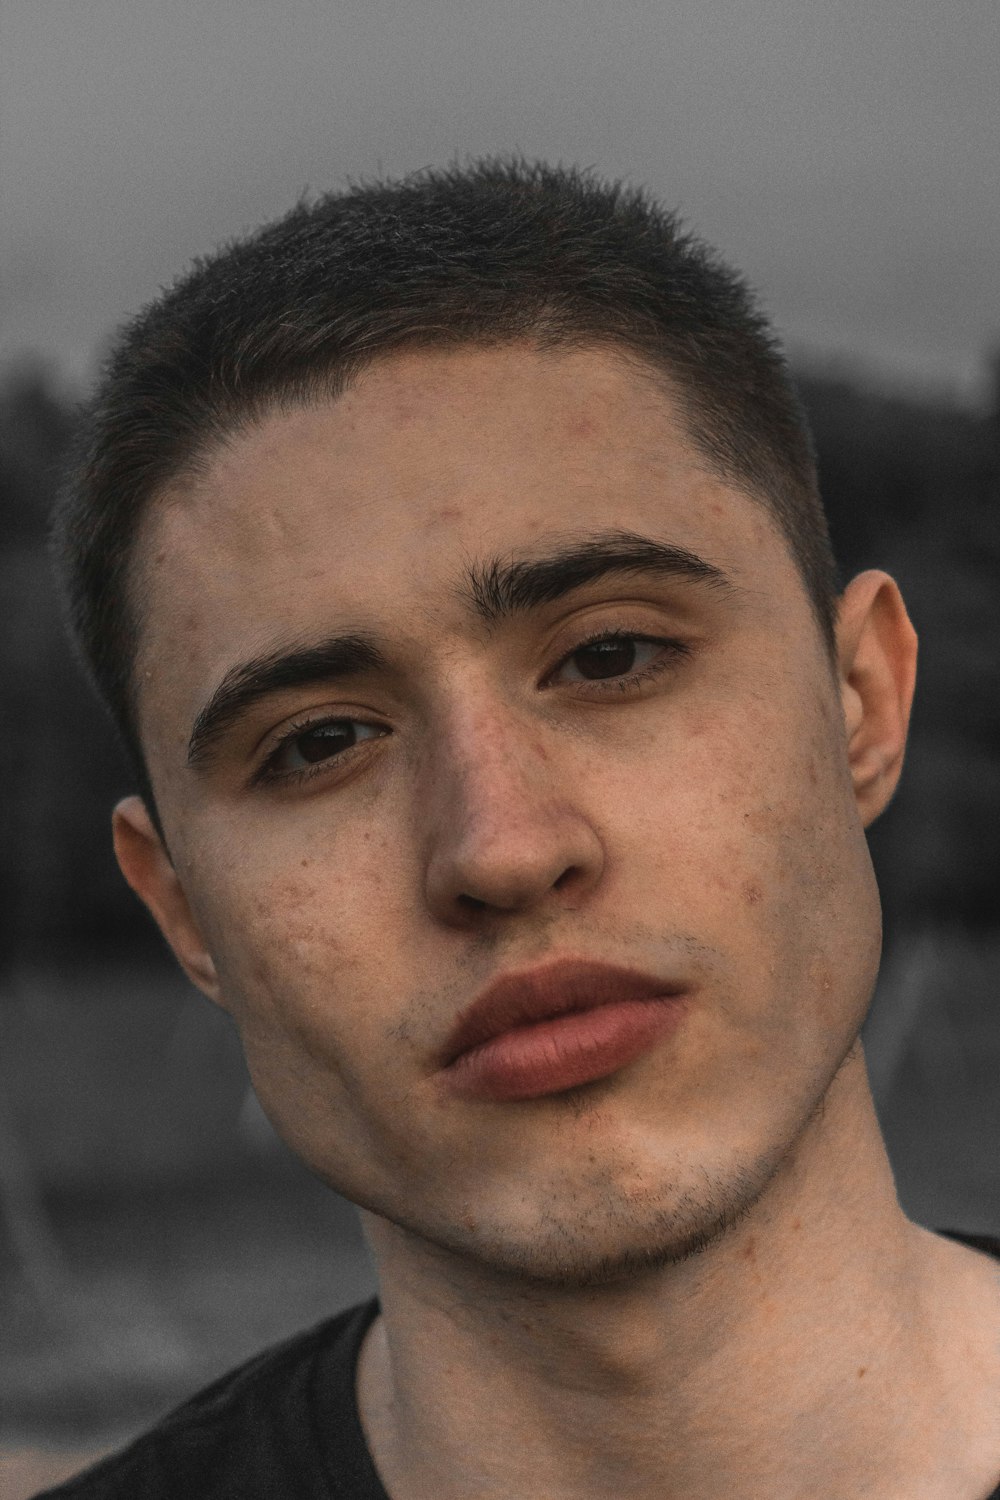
column 505, row 828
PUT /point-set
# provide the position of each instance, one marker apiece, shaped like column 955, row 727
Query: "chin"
column 576, row 1246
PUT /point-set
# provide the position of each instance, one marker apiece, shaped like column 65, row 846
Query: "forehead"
column 477, row 446
column 439, row 438
column 367, row 508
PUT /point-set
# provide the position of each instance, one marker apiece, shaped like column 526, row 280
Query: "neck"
column 780, row 1360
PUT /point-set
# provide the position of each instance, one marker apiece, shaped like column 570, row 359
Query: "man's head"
column 485, row 652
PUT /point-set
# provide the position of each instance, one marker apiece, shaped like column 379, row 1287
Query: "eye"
column 617, row 654
column 312, row 745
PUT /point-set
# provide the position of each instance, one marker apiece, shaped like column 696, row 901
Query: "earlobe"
column 146, row 865
column 877, row 653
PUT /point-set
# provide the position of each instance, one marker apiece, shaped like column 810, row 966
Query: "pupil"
column 325, row 740
column 606, row 658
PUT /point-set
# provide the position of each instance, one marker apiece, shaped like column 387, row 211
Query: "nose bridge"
column 487, row 759
column 503, row 825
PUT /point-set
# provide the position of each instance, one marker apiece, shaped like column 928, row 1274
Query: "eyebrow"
column 498, row 588
column 330, row 660
column 493, row 590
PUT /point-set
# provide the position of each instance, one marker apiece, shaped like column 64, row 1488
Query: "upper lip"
column 551, row 989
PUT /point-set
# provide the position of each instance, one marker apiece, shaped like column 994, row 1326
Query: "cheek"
column 750, row 837
column 298, row 937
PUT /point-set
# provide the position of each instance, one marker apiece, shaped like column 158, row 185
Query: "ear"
column 146, row 865
column 877, row 654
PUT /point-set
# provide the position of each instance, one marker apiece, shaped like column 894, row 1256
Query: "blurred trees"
column 61, row 767
column 914, row 488
column 910, row 485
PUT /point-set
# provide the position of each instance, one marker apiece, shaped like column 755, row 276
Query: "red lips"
column 554, row 1027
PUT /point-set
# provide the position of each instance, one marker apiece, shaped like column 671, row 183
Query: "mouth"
column 544, row 1030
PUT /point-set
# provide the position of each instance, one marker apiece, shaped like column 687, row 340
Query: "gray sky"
column 844, row 153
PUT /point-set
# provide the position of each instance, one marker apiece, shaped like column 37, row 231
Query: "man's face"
column 647, row 769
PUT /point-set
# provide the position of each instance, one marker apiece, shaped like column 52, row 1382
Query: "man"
column 451, row 556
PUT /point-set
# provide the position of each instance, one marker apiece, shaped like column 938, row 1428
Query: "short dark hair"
column 497, row 250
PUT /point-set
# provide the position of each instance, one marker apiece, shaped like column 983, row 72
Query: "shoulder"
column 249, row 1434
column 988, row 1243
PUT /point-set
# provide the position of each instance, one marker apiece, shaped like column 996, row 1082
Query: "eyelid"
column 675, row 646
column 625, row 614
column 308, row 718
column 302, row 724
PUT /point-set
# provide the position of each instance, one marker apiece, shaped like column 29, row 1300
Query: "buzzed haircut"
column 491, row 252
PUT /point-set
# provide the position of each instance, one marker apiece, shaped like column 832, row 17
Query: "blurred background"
column 152, row 1230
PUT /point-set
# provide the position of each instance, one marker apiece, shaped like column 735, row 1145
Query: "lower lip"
column 547, row 1057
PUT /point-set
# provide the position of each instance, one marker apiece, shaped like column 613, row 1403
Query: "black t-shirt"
column 284, row 1426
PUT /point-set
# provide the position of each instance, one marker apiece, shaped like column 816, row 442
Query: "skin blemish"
column 822, row 977
column 862, row 1371
column 752, row 893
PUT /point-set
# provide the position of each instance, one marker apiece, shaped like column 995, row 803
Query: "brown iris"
column 610, row 658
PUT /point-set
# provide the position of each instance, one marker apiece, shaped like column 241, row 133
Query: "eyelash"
column 266, row 775
column 674, row 651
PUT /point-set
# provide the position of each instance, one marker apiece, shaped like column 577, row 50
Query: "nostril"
column 476, row 872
